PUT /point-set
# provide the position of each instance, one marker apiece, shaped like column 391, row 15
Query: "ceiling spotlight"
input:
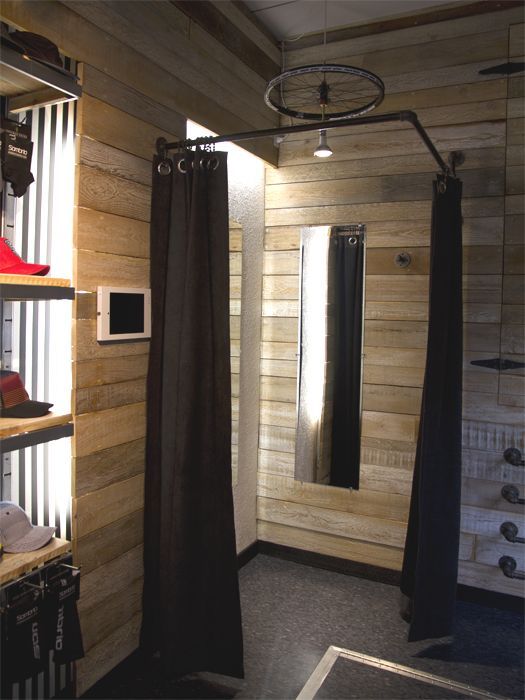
column 323, row 150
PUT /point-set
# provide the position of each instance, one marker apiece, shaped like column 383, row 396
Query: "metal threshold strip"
column 323, row 668
column 405, row 116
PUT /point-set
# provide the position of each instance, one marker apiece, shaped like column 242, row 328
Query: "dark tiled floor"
column 292, row 613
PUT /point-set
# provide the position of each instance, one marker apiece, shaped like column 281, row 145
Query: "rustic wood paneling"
column 380, row 175
column 109, row 542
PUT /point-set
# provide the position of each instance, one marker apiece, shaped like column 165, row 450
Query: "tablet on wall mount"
column 123, row 313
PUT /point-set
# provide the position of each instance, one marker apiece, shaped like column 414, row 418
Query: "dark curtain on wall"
column 430, row 565
column 346, row 262
column 191, row 595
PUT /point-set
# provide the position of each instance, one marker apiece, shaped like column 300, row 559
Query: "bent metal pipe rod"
column 404, row 116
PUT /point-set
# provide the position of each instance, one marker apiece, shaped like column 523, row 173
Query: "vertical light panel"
column 40, row 478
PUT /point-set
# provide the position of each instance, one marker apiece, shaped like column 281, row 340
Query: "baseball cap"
column 12, row 264
column 16, row 531
column 35, row 46
column 14, row 399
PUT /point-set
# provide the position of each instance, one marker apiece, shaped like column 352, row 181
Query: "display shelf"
column 28, row 83
column 14, row 565
column 17, row 433
column 34, row 287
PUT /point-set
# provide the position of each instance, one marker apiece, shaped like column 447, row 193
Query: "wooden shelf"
column 34, row 287
column 15, row 426
column 28, row 83
column 17, row 433
column 14, row 565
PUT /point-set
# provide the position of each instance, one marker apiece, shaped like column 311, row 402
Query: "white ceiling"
column 287, row 19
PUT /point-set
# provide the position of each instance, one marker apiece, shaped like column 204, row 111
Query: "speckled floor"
column 292, row 613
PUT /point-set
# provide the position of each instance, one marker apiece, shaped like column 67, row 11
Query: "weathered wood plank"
column 389, row 426
column 389, row 188
column 113, row 161
column 357, row 146
column 398, row 334
column 93, row 269
column 109, row 466
column 475, row 158
column 105, row 88
column 278, row 413
column 488, row 578
column 110, row 370
column 330, row 545
column 109, row 125
column 108, row 233
column 482, row 521
column 135, row 25
column 271, row 462
column 108, row 653
column 87, row 348
column 277, row 439
column 106, row 396
column 98, row 623
column 332, row 522
column 107, row 543
column 392, row 399
column 364, row 502
column 279, row 351
column 88, row 43
column 283, row 330
column 103, row 429
column 100, row 508
column 382, row 451
column 114, row 195
column 389, row 480
column 457, row 21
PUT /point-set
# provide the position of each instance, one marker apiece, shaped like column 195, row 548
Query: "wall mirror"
column 332, row 274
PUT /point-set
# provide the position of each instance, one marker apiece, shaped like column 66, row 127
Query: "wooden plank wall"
column 144, row 65
column 381, row 175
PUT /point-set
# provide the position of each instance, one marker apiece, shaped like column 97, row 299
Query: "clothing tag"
column 26, row 648
column 16, row 153
column 62, row 618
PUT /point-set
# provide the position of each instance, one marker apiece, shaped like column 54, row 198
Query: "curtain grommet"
column 181, row 169
column 164, row 167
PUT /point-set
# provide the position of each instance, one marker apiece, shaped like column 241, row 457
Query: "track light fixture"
column 323, row 150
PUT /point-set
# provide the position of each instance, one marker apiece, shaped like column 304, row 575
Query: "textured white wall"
column 246, row 193
column 246, row 204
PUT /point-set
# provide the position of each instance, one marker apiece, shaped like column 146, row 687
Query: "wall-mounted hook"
column 508, row 566
column 510, row 532
column 511, row 494
column 513, row 456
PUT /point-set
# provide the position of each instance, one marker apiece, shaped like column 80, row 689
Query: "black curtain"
column 346, row 261
column 430, row 565
column 191, row 595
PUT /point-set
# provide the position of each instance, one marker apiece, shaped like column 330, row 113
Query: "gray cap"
column 16, row 532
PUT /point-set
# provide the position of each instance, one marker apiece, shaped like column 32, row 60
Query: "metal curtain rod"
column 406, row 116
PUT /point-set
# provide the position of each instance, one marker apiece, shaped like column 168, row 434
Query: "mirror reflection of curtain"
column 331, row 313
column 346, row 258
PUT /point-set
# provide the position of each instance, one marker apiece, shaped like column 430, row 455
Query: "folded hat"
column 33, row 45
column 16, row 531
column 12, row 264
column 14, row 399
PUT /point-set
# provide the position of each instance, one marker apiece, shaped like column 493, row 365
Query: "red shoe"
column 12, row 264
